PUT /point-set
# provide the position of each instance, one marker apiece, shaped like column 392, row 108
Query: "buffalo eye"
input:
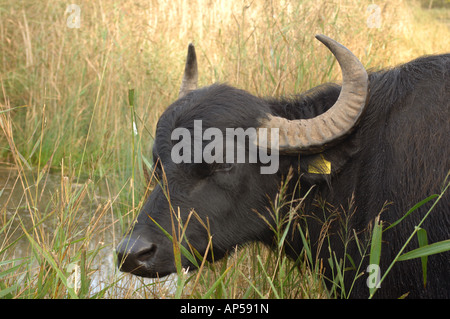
column 223, row 167
column 204, row 169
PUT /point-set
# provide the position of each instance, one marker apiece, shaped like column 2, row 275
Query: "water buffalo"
column 378, row 143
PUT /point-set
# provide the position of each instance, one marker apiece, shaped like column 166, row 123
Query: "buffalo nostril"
column 145, row 253
column 135, row 254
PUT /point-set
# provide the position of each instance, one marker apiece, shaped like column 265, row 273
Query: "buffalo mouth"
column 145, row 272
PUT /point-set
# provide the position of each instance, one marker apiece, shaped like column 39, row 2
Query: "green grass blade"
column 210, row 291
column 431, row 249
column 251, row 288
column 422, row 251
column 423, row 241
column 8, row 290
column 48, row 257
column 9, row 270
column 419, row 204
column 13, row 108
column 269, row 280
column 375, row 248
column 183, row 249
column 131, row 97
column 306, row 245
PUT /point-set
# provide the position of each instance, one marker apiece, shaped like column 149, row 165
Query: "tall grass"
column 82, row 76
column 74, row 147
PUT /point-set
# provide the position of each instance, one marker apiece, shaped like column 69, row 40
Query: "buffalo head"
column 214, row 205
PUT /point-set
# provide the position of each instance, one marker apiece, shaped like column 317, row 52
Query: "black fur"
column 397, row 156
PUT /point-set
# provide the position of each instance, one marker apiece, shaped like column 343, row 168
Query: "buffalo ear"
column 331, row 162
column 320, row 167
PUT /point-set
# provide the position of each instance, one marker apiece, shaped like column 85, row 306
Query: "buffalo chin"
column 148, row 274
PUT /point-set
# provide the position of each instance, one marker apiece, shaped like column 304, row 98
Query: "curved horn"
column 190, row 76
column 309, row 136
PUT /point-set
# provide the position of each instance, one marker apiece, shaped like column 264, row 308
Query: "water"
column 86, row 211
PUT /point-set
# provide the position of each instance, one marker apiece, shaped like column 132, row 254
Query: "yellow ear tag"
column 319, row 165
